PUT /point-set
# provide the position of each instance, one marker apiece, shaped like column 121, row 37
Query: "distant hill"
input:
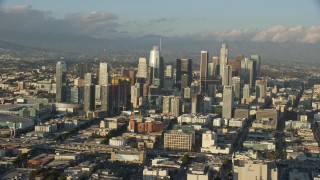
column 172, row 48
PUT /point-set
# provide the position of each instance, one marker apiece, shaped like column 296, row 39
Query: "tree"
column 185, row 159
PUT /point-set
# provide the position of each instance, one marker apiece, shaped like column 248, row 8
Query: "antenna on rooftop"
column 160, row 44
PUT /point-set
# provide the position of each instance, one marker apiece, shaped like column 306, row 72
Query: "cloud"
column 159, row 20
column 27, row 19
column 276, row 34
column 168, row 30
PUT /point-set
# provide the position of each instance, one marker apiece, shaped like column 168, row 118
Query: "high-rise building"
column 166, row 104
column 187, row 93
column 169, row 71
column 248, row 72
column 227, row 102
column 179, row 140
column 103, row 74
column 183, row 73
column 175, row 106
column 142, row 68
column 212, row 90
column 257, row 58
column 207, row 104
column 197, row 103
column 97, row 89
column 246, row 91
column 156, row 62
column 105, row 98
column 216, row 65
column 236, row 84
column 204, row 69
column 132, row 76
column 76, row 94
column 82, row 69
column 261, row 88
column 227, row 76
column 61, row 69
column 89, row 91
column 223, row 58
column 135, row 94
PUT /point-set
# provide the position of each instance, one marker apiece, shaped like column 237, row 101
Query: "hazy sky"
column 255, row 20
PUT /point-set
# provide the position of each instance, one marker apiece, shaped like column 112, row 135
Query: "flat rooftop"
column 12, row 118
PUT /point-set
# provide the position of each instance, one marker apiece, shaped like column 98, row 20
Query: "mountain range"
column 73, row 46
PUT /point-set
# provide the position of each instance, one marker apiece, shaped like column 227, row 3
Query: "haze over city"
column 172, row 90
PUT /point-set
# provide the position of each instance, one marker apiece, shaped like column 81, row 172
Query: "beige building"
column 254, row 169
column 179, row 140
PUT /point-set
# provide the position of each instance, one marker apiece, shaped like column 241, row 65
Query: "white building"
column 254, row 169
column 155, row 173
column 216, row 150
column 237, row 122
column 118, row 141
column 297, row 125
column 142, row 68
column 194, row 119
column 50, row 128
column 208, row 139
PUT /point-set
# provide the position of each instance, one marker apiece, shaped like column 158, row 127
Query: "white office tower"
column 142, row 68
column 227, row 102
column 223, row 58
column 103, row 74
column 156, row 65
column 246, row 91
column 135, row 94
column 227, row 77
column 154, row 57
column 209, row 139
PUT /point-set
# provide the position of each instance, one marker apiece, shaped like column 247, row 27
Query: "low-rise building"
column 179, row 140
column 155, row 173
column 118, row 141
column 198, row 171
column 128, row 156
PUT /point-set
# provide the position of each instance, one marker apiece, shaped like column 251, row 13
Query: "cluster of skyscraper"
column 166, row 89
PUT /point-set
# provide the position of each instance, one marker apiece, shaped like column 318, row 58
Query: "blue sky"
column 184, row 17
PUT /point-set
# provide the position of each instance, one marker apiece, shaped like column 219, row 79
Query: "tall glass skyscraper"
column 61, row 69
column 248, row 72
column 89, row 99
column 156, row 63
column 204, row 69
column 183, row 73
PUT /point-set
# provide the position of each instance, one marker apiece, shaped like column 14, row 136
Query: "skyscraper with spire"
column 156, row 65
